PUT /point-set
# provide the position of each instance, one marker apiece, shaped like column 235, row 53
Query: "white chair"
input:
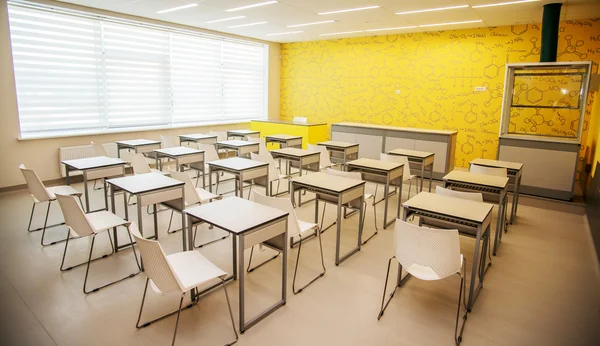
column 210, row 154
column 221, row 136
column 296, row 228
column 428, row 254
column 167, row 142
column 178, row 272
column 324, row 158
column 85, row 225
column 41, row 194
column 405, row 174
column 262, row 146
column 141, row 166
column 274, row 172
column 99, row 149
column 356, row 176
column 495, row 171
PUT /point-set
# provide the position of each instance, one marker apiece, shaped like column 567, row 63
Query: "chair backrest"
column 74, row 216
column 398, row 159
column 139, row 164
column 156, row 266
column 351, row 175
column 99, row 149
column 300, row 120
column 221, row 135
column 495, row 171
column 262, row 146
column 273, row 171
column 284, row 204
column 34, row 185
column 325, row 160
column 191, row 195
column 423, row 250
column 472, row 196
column 210, row 153
column 169, row 141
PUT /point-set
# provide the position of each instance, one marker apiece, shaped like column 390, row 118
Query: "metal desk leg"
column 85, row 190
column 361, row 216
column 191, row 246
column 474, row 271
column 430, row 176
column 515, row 201
column 499, row 223
column 300, row 192
column 114, row 211
column 399, row 199
column 241, row 280
column 139, row 213
column 67, row 177
column 210, row 189
column 422, row 175
column 339, row 230
column 385, row 203
column 156, row 161
column 155, row 217
column 105, row 195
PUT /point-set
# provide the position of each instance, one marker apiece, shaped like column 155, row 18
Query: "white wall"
column 42, row 154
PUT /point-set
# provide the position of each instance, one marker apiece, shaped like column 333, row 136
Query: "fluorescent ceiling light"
column 251, row 6
column 434, row 9
column 451, row 23
column 178, row 8
column 251, row 24
column 225, row 19
column 349, row 10
column 285, row 33
column 397, row 28
column 341, row 33
column 313, row 23
column 504, row 3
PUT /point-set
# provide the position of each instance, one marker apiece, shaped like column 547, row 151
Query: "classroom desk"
column 514, row 171
column 198, row 138
column 181, row 155
column 341, row 150
column 150, row 189
column 486, row 184
column 242, row 134
column 95, row 168
column 243, row 170
column 285, row 141
column 253, row 224
column 337, row 190
column 422, row 159
column 241, row 148
column 311, row 133
column 381, row 172
column 300, row 158
column 138, row 146
column 471, row 218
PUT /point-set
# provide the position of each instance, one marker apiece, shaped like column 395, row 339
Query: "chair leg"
column 323, row 219
column 374, row 218
column 46, row 227
column 230, row 314
column 62, row 263
column 209, row 242
column 409, row 187
column 461, row 295
column 31, row 218
column 170, row 221
column 250, row 270
column 146, row 324
column 384, row 304
column 177, row 320
column 296, row 291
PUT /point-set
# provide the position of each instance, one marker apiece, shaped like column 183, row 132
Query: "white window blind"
column 78, row 74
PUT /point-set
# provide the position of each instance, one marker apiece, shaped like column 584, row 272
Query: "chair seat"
column 206, row 196
column 426, row 273
column 102, row 220
column 63, row 190
column 191, row 269
column 306, row 227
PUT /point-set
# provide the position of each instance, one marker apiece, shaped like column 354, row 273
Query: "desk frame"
column 240, row 151
column 422, row 163
column 285, row 143
column 348, row 153
column 144, row 148
column 240, row 176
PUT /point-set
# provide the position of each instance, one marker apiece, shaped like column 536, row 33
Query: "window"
column 79, row 73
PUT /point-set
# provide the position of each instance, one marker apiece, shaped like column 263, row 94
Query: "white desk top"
column 197, row 136
column 450, row 206
column 237, row 163
column 375, row 164
column 475, row 178
column 93, row 162
column 235, row 215
column 178, row 151
column 395, row 128
column 242, row 132
column 496, row 163
column 328, row 182
column 283, row 137
column 237, row 143
column 295, row 152
column 338, row 144
column 141, row 183
column 138, row 142
column 411, row 153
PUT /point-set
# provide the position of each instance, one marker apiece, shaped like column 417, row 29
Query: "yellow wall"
column 436, row 72
column 42, row 154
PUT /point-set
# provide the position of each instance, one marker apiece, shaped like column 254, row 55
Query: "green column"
column 550, row 22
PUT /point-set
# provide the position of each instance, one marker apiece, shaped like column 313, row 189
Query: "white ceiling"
column 289, row 12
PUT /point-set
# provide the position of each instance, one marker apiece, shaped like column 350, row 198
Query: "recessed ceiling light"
column 504, row 3
column 251, row 6
column 251, row 24
column 397, row 28
column 313, row 23
column 451, row 23
column 285, row 33
column 341, row 33
column 177, row 8
column 349, row 10
column 434, row 9
column 225, row 19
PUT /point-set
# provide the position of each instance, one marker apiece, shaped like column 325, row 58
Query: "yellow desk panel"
column 311, row 134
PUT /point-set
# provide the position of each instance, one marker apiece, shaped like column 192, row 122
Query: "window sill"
column 122, row 130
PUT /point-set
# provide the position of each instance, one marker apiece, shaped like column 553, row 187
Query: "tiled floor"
column 542, row 289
